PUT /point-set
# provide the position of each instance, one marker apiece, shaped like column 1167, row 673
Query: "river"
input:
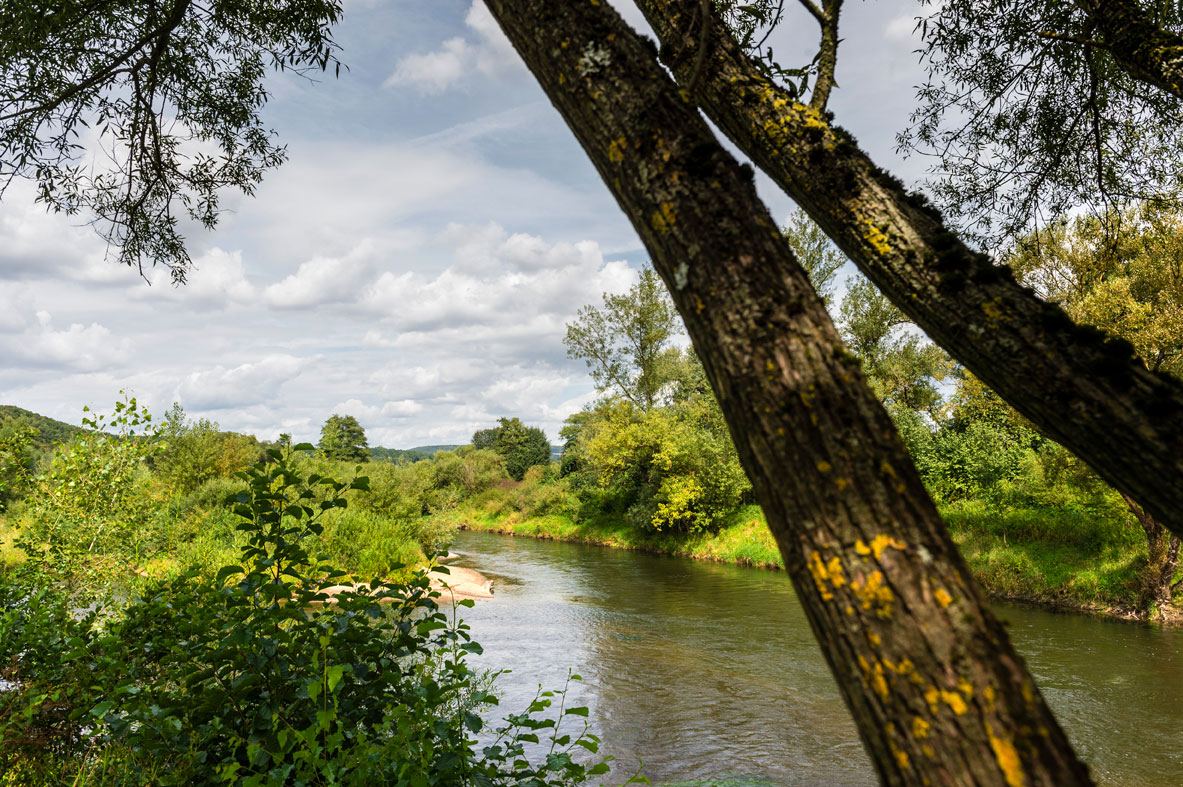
column 708, row 672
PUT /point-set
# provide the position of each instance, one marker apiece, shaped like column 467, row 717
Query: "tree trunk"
column 1161, row 563
column 1092, row 396
column 938, row 693
column 1146, row 52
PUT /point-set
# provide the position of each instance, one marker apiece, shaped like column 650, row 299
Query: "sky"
column 414, row 262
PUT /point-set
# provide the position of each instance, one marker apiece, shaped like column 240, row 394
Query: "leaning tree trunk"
column 938, row 693
column 1091, row 395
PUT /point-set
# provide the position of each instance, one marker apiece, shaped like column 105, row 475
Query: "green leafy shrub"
column 463, row 473
column 369, row 544
column 665, row 467
column 90, row 517
column 250, row 677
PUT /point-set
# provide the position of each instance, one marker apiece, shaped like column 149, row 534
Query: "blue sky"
column 412, row 264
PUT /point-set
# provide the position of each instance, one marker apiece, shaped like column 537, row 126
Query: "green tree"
column 520, row 446
column 1031, row 118
column 1123, row 274
column 625, row 344
column 903, row 367
column 817, row 254
column 152, row 80
column 343, row 439
column 17, row 456
column 88, row 517
column 190, row 453
column 1038, row 360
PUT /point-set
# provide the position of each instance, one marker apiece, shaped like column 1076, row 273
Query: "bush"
column 463, row 473
column 244, row 677
column 369, row 544
column 665, row 467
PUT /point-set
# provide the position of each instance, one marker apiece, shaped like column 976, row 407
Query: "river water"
column 709, row 673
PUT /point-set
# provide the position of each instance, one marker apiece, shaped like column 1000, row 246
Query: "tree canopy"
column 520, row 447
column 343, row 438
column 1029, row 111
column 625, row 343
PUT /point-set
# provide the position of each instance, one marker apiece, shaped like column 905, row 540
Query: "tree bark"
column 1146, row 51
column 1087, row 393
column 1162, row 560
column 937, row 691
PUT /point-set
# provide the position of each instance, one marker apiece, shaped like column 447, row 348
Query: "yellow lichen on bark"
column 1008, row 759
column 663, row 218
column 616, row 150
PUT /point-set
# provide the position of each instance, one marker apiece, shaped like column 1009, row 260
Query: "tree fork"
column 937, row 691
column 1088, row 393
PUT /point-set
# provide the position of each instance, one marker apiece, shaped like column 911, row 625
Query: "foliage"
column 89, row 515
column 17, row 456
column 665, row 468
column 1031, row 117
column 902, row 366
column 260, row 681
column 1122, row 273
column 464, row 472
column 196, row 451
column 172, row 94
column 816, row 253
column 520, row 446
column 49, row 430
column 626, row 343
column 343, row 439
column 397, row 455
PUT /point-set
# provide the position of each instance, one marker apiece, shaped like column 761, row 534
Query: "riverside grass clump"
column 247, row 677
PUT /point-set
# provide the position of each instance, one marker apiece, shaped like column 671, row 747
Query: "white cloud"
column 217, row 279
column 34, row 343
column 323, row 280
column 902, row 30
column 432, row 73
column 498, row 282
column 246, row 384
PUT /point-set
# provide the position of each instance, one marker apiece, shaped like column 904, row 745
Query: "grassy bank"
column 1064, row 559
column 1061, row 558
column 744, row 539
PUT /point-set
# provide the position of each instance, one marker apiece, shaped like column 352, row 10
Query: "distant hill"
column 431, row 449
column 50, row 430
column 396, row 455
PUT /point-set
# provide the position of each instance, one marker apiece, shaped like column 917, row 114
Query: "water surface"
column 706, row 671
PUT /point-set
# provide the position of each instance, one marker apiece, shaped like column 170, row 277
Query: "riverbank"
column 1003, row 557
column 743, row 540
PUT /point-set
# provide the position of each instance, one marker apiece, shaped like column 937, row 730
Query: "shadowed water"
column 710, row 672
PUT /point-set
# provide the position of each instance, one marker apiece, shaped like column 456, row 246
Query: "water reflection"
column 706, row 671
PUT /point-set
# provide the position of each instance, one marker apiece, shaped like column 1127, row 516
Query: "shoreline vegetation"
column 629, row 480
column 1042, row 575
